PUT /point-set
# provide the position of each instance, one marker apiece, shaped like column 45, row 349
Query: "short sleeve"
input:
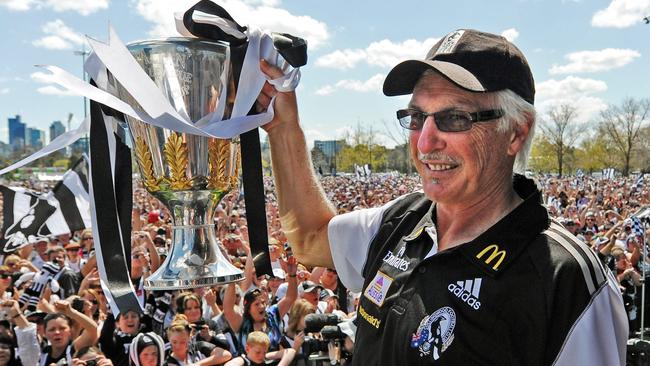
column 350, row 235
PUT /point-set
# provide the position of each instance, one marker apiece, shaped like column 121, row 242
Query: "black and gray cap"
column 473, row 60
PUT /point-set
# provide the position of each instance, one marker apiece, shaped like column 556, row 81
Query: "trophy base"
column 195, row 261
column 155, row 283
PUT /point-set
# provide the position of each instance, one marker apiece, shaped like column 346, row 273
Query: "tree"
column 643, row 155
column 542, row 155
column 399, row 158
column 594, row 154
column 561, row 131
column 622, row 126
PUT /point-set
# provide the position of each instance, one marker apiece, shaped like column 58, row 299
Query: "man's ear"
column 518, row 135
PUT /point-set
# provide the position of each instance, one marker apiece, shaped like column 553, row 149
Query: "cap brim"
column 402, row 78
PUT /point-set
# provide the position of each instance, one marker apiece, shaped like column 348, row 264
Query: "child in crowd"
column 257, row 345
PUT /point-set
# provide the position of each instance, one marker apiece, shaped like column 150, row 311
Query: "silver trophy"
column 189, row 174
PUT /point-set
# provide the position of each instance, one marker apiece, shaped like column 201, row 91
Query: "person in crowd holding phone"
column 90, row 356
column 185, row 352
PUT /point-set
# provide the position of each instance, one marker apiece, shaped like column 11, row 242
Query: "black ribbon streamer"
column 112, row 206
column 294, row 51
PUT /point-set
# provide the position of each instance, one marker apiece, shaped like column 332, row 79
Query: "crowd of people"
column 54, row 311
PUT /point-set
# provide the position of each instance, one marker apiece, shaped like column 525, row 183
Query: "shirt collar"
column 425, row 222
column 495, row 249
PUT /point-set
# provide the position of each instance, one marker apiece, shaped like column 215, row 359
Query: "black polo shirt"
column 525, row 292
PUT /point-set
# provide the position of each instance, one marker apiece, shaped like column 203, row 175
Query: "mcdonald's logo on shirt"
column 494, row 253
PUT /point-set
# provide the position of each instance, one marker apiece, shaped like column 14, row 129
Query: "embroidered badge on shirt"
column 378, row 288
column 435, row 333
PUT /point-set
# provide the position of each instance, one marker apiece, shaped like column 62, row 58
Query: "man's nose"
column 430, row 138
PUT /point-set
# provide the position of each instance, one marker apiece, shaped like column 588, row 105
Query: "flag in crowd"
column 29, row 216
column 608, row 173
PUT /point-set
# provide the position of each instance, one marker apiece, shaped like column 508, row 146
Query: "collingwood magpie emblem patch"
column 435, row 333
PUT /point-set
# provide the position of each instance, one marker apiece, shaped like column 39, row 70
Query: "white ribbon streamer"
column 115, row 57
column 81, row 88
column 122, row 65
column 58, row 143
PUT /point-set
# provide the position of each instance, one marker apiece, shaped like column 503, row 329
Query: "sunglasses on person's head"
column 450, row 120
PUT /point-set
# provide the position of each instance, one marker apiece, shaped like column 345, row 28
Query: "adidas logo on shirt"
column 467, row 291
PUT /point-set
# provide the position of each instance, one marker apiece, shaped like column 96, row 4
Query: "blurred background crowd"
column 61, row 316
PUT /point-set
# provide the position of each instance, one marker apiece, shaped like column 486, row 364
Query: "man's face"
column 41, row 247
column 312, row 296
column 58, row 258
column 572, row 227
column 72, row 253
column 467, row 166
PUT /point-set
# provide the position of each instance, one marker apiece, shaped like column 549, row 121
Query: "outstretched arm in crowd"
column 153, row 253
column 89, row 266
column 210, row 296
column 232, row 316
column 217, row 357
column 249, row 269
column 287, row 301
column 29, row 348
column 304, row 209
column 611, row 241
column 89, row 336
column 285, row 356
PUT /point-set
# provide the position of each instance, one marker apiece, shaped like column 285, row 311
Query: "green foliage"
column 594, row 155
column 542, row 156
column 361, row 154
column 61, row 163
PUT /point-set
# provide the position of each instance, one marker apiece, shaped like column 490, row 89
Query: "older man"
column 472, row 270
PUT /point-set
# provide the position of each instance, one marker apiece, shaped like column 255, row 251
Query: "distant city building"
column 16, row 133
column 35, row 138
column 329, row 147
column 5, row 149
column 80, row 146
column 56, row 129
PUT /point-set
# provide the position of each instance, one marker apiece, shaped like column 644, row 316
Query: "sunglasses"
column 450, row 120
column 4, row 276
column 86, row 238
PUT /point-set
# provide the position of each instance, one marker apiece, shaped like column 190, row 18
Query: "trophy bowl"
column 189, row 174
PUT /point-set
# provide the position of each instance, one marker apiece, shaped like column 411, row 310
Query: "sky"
column 590, row 53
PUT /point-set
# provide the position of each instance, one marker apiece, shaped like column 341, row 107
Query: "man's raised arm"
column 304, row 209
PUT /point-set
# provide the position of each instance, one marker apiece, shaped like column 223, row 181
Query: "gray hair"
column 517, row 111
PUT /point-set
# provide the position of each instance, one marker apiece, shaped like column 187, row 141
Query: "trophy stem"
column 195, row 259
